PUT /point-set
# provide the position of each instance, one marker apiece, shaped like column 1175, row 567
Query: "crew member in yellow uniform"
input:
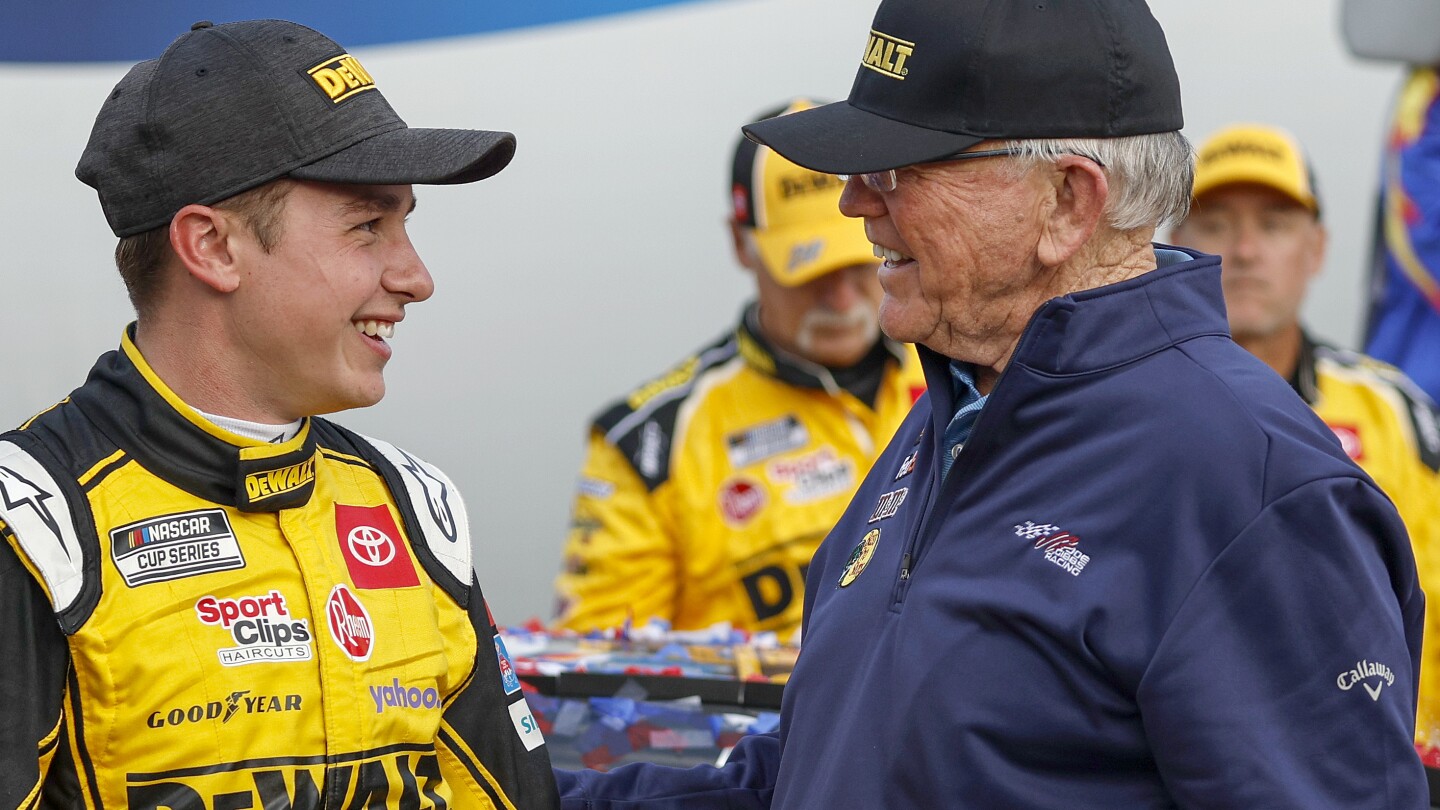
column 705, row 491
column 209, row 597
column 1255, row 204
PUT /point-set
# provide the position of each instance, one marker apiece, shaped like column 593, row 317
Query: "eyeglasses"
column 887, row 181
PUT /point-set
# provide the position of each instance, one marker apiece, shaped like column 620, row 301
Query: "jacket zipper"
column 912, row 551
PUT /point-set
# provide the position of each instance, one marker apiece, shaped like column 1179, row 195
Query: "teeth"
column 892, row 256
column 384, row 329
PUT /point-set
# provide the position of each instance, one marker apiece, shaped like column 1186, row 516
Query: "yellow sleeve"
column 621, row 557
column 1419, row 505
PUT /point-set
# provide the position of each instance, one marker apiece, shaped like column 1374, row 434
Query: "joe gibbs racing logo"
column 350, row 623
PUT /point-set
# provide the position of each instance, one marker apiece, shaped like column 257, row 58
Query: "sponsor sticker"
column 175, row 546
column 741, row 501
column 859, row 557
column 813, row 476
column 262, row 627
column 526, row 725
column 765, row 440
column 508, row 678
column 350, row 624
column 371, row 545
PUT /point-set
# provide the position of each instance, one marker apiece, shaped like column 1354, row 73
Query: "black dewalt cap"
column 939, row 76
column 228, row 107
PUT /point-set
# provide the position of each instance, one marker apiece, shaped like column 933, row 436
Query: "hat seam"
column 1115, row 80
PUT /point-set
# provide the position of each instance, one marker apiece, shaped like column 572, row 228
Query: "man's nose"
column 407, row 275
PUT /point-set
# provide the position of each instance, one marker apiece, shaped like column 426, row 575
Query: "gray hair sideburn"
column 1150, row 176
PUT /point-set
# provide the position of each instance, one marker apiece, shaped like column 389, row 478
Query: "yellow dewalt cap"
column 794, row 213
column 1255, row 153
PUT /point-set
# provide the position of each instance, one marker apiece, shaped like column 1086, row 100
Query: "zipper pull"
column 905, row 567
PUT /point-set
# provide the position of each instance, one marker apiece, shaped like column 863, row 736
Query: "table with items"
column 649, row 693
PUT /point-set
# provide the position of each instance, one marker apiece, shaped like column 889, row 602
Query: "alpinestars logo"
column 1361, row 673
column 1061, row 547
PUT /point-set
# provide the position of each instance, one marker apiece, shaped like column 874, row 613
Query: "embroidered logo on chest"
column 1059, row 546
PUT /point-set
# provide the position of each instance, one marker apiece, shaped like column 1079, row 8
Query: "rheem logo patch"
column 350, row 624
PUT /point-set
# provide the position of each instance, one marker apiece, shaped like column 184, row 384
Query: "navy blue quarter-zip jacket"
column 1152, row 579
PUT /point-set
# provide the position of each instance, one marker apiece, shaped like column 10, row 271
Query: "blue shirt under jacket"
column 1152, row 579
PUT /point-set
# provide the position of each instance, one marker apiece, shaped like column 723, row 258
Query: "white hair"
column 1150, row 176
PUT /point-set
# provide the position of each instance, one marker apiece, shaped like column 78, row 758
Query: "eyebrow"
column 379, row 202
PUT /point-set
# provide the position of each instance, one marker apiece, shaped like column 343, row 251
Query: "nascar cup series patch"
column 175, row 546
column 860, row 557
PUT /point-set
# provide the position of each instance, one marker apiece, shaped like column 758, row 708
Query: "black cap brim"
column 415, row 156
column 840, row 138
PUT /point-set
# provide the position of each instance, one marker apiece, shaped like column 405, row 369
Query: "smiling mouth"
column 376, row 329
column 891, row 257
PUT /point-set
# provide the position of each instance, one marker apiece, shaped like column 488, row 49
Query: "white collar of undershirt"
column 270, row 434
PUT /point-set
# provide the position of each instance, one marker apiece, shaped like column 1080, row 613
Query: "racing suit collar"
column 134, row 407
column 763, row 356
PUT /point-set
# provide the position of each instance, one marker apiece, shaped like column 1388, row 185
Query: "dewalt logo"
column 269, row 483
column 341, row 77
column 886, row 55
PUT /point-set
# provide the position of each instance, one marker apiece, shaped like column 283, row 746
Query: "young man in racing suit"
column 705, row 490
column 209, row 597
column 1256, row 205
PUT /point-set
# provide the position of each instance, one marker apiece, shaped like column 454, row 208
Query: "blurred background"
column 600, row 256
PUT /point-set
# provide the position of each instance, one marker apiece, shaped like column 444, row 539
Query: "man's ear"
column 744, row 245
column 201, row 238
column 1081, row 191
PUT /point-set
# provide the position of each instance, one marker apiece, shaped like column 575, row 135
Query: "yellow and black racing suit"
column 1391, row 429
column 705, row 492
column 193, row 620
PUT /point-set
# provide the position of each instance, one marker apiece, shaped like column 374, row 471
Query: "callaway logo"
column 1361, row 673
column 434, row 495
column 16, row 491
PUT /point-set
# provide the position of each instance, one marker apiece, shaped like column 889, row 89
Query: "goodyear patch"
column 341, row 77
column 887, row 55
column 175, row 546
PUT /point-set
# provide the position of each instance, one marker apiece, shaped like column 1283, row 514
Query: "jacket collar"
column 1111, row 325
column 130, row 404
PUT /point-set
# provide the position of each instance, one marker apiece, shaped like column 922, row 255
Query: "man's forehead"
column 1247, row 195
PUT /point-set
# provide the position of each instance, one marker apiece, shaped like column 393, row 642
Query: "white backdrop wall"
column 599, row 256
